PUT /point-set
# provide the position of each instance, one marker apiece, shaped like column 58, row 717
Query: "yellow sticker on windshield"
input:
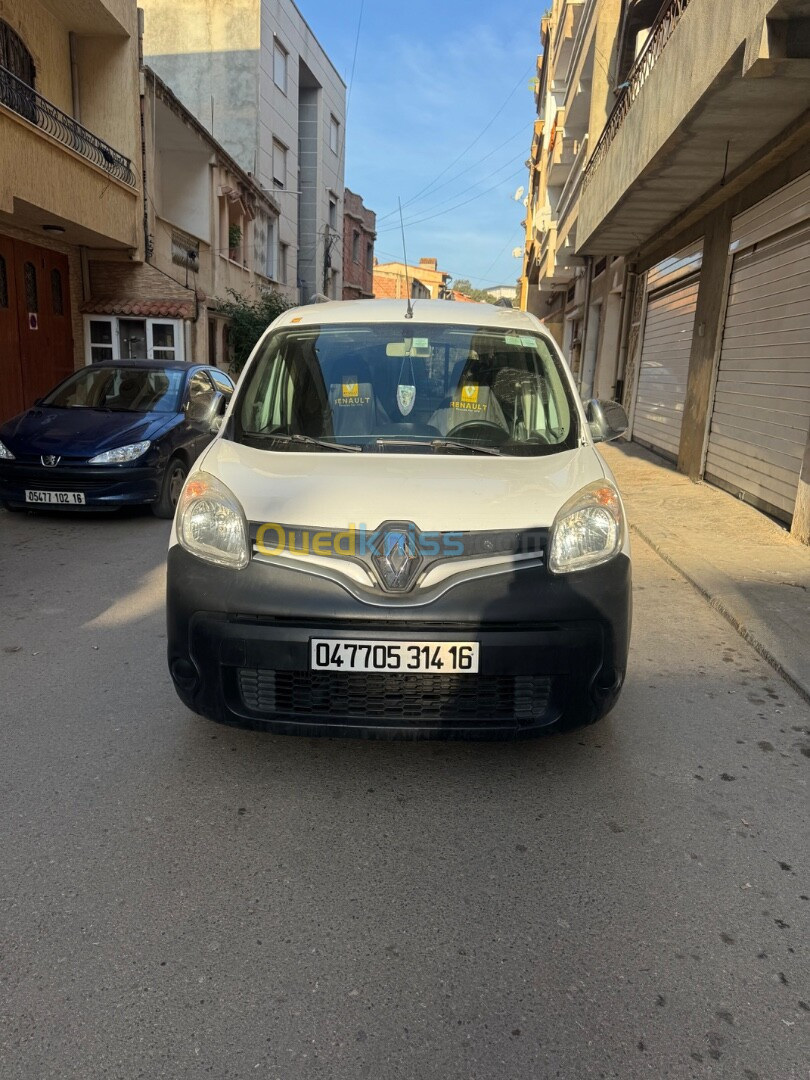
column 351, row 389
column 469, row 392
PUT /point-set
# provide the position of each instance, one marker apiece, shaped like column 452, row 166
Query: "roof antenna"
column 409, row 312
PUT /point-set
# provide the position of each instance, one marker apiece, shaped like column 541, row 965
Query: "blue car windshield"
column 122, row 389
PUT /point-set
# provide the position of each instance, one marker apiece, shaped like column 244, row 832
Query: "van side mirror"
column 607, row 420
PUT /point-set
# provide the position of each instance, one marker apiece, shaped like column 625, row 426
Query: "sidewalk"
column 745, row 565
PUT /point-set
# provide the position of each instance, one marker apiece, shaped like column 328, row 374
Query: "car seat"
column 473, row 398
column 352, row 400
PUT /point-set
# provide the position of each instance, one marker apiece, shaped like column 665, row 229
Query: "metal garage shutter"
column 664, row 368
column 762, row 399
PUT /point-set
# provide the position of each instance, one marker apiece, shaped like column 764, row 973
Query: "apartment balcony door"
column 36, row 340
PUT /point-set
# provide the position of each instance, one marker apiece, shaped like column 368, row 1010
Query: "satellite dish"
column 517, row 252
column 519, row 193
column 526, row 202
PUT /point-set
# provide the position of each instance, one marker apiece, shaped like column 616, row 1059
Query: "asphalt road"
column 180, row 900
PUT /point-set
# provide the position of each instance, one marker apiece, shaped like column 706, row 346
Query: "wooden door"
column 43, row 319
column 11, row 387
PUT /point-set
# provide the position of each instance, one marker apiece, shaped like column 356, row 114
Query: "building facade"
column 701, row 181
column 254, row 75
column 576, row 72
column 210, row 230
column 359, row 234
column 393, row 275
column 691, row 285
column 70, row 188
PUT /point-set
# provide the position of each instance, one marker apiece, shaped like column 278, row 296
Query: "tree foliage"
column 249, row 318
column 462, row 285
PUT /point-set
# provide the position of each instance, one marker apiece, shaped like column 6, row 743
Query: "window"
column 221, row 382
column 200, row 397
column 356, row 246
column 280, row 67
column 283, row 251
column 370, row 257
column 14, row 56
column 132, row 337
column 212, row 342
column 185, row 250
column 30, row 278
column 344, row 382
column 270, row 268
column 162, row 345
column 57, row 302
column 124, row 389
column 279, row 164
column 332, row 211
column 101, row 340
column 3, row 284
column 334, row 134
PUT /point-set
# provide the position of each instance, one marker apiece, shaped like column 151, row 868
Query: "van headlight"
column 211, row 522
column 588, row 529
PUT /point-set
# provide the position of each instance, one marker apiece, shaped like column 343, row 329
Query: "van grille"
column 395, row 697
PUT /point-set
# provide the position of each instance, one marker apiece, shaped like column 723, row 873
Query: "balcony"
column 705, row 102
column 31, row 106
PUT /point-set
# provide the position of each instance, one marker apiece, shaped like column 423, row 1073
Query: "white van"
column 403, row 528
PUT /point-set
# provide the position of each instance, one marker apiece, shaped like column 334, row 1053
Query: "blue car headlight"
column 121, row 455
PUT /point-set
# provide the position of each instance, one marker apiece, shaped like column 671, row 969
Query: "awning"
column 149, row 309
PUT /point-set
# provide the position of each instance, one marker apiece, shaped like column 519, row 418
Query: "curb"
column 723, row 609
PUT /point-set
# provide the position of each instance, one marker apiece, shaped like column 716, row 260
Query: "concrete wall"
column 208, row 49
column 43, row 179
column 700, row 47
column 208, row 53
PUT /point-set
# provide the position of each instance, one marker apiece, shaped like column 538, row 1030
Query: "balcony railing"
column 21, row 99
column 660, row 33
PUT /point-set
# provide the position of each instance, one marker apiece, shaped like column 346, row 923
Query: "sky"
column 440, row 114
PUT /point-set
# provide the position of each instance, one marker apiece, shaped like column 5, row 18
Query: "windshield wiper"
column 306, row 440
column 453, row 444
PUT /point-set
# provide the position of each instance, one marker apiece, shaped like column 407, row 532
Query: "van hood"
column 441, row 492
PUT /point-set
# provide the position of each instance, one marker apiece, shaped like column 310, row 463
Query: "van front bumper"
column 553, row 651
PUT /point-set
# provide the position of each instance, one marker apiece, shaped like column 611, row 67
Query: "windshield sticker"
column 351, row 388
column 527, row 340
column 513, row 339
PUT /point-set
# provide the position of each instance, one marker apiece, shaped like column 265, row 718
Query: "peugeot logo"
column 50, row 460
column 396, row 556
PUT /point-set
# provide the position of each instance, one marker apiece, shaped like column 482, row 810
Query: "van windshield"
column 426, row 388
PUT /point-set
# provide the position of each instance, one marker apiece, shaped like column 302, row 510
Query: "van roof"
column 443, row 312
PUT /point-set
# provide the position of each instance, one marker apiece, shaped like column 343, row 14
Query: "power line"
column 477, row 139
column 479, row 161
column 354, row 58
column 441, row 213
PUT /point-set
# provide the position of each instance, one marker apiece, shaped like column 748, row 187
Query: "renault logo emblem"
column 396, row 557
column 50, row 460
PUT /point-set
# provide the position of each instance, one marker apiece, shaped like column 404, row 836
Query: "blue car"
column 112, row 434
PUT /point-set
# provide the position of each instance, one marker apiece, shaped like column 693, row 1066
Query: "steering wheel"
column 479, row 429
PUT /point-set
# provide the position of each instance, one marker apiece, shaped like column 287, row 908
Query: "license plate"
column 56, row 498
column 442, row 657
